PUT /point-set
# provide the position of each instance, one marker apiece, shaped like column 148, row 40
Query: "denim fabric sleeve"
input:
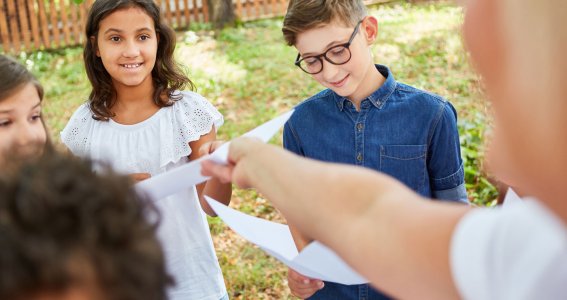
column 290, row 139
column 445, row 165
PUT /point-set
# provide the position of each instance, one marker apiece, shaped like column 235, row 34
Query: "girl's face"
column 21, row 130
column 127, row 45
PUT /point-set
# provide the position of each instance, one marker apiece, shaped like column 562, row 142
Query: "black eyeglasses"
column 337, row 55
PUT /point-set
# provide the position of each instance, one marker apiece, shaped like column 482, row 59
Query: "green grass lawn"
column 248, row 73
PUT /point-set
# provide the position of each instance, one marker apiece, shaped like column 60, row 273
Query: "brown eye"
column 36, row 117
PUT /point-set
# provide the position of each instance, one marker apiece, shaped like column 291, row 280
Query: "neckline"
column 137, row 125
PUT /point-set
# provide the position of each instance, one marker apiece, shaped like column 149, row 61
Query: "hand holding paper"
column 315, row 260
column 189, row 175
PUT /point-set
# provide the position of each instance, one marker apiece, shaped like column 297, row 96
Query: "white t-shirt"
column 154, row 146
column 517, row 252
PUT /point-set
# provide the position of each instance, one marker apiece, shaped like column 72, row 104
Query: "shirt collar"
column 379, row 97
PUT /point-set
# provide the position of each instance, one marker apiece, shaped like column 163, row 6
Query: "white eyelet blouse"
column 154, row 146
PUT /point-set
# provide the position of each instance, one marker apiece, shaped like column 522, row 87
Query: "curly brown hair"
column 62, row 225
column 167, row 74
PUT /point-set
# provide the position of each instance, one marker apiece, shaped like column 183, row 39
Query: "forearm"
column 213, row 188
column 299, row 238
column 387, row 232
column 314, row 197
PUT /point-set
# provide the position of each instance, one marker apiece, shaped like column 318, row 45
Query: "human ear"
column 370, row 28
column 93, row 43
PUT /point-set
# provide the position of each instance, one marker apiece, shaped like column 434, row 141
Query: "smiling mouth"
column 340, row 82
column 131, row 66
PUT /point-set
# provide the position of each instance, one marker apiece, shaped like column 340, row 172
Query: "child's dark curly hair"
column 63, row 226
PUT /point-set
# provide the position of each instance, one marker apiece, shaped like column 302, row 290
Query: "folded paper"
column 315, row 261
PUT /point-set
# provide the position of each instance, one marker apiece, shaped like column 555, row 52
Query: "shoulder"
column 189, row 98
column 82, row 117
column 312, row 104
column 423, row 101
column 76, row 134
column 194, row 111
column 195, row 105
column 495, row 251
column 82, row 112
column 406, row 92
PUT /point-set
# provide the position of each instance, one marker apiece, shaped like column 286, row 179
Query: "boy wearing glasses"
column 364, row 117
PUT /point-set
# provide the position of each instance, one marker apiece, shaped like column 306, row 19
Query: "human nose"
column 26, row 135
column 329, row 70
column 131, row 49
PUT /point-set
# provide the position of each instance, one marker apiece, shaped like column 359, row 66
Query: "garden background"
column 247, row 72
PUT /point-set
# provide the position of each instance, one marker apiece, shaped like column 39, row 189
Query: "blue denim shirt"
column 402, row 131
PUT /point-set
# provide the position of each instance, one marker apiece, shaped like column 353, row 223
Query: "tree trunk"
column 221, row 13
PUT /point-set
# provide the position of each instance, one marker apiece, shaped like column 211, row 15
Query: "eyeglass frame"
column 346, row 45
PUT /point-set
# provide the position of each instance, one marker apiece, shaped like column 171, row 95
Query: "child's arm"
column 292, row 143
column 213, row 187
column 299, row 285
column 137, row 177
column 445, row 165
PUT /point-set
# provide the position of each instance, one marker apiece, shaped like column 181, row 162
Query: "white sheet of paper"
column 188, row 175
column 315, row 261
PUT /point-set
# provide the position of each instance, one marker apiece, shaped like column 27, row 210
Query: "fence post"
column 34, row 25
column 54, row 23
column 65, row 21
column 4, row 35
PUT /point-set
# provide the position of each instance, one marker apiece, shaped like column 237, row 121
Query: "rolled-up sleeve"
column 445, row 165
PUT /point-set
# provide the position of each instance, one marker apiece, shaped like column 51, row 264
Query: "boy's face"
column 348, row 78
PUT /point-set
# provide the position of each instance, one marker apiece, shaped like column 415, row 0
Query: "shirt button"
column 359, row 126
column 359, row 157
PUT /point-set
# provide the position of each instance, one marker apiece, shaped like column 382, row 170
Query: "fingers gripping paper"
column 188, row 175
column 315, row 261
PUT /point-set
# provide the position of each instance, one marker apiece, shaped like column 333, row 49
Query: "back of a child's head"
column 14, row 76
column 64, row 228
column 303, row 15
column 167, row 75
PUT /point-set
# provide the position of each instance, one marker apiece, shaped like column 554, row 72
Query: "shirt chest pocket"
column 406, row 163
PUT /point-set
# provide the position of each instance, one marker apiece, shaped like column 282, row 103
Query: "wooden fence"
column 28, row 25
